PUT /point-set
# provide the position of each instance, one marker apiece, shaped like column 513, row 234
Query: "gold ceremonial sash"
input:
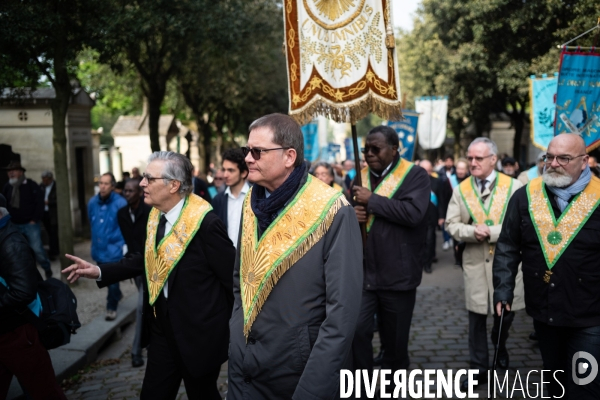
column 160, row 263
column 300, row 225
column 389, row 185
column 494, row 214
column 337, row 187
column 555, row 236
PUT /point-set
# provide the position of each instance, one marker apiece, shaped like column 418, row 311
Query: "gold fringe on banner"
column 349, row 113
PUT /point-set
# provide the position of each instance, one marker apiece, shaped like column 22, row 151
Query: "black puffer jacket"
column 17, row 267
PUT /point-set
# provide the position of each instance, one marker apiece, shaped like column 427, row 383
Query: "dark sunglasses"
column 256, row 152
column 373, row 149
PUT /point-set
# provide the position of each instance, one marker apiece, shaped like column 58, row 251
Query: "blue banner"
column 542, row 93
column 349, row 146
column 310, row 132
column 407, row 133
column 578, row 97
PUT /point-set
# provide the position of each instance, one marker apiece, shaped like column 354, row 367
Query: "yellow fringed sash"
column 390, row 184
column 555, row 236
column 160, row 263
column 302, row 223
column 497, row 206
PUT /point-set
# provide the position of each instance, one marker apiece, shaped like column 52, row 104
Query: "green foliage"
column 115, row 94
column 480, row 54
column 226, row 90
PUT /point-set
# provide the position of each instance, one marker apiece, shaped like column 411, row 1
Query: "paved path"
column 438, row 340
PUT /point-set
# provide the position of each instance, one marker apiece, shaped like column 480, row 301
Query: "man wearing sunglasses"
column 393, row 202
column 475, row 214
column 187, row 265
column 297, row 276
column 552, row 226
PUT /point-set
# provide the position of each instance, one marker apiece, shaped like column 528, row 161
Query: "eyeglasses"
column 561, row 160
column 373, row 149
column 150, row 179
column 218, row 179
column 256, row 152
column 478, row 159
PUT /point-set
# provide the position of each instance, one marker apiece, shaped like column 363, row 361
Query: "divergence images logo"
column 580, row 367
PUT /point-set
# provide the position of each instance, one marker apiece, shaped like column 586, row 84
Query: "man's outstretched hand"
column 81, row 268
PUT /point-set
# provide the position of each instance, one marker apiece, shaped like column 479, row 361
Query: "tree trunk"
column 517, row 117
column 154, row 103
column 59, row 108
column 206, row 141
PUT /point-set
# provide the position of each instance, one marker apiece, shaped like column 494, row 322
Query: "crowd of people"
column 265, row 265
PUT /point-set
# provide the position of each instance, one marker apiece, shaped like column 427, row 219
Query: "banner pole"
column 358, row 179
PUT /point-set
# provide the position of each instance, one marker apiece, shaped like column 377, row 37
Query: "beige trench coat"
column 477, row 260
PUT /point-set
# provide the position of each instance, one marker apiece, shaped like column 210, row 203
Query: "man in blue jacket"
column 107, row 240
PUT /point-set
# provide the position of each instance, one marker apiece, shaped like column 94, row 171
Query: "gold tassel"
column 349, row 113
column 292, row 259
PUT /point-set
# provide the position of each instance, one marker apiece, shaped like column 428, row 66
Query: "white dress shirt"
column 46, row 195
column 234, row 212
column 490, row 178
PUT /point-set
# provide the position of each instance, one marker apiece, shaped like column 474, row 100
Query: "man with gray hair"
column 298, row 274
column 475, row 216
column 188, row 266
column 552, row 226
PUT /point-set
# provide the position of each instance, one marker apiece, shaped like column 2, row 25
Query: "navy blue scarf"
column 267, row 209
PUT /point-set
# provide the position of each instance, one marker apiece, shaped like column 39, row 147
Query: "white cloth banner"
column 341, row 59
column 432, row 121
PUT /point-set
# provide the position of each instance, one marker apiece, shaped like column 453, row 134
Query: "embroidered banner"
column 341, row 59
column 407, row 133
column 542, row 94
column 432, row 121
column 578, row 96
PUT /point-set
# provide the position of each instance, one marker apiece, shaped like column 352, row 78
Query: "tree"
column 41, row 40
column 115, row 94
column 227, row 90
column 489, row 50
column 154, row 36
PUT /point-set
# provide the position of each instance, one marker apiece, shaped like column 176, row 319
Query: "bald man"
column 552, row 226
column 436, row 212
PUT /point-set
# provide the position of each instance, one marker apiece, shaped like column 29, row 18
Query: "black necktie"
column 483, row 182
column 160, row 232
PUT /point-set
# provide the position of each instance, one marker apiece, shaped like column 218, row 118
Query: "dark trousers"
column 429, row 246
column 558, row 346
column 166, row 369
column 52, row 234
column 22, row 355
column 394, row 311
column 478, row 344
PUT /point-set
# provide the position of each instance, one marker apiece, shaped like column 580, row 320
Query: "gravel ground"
column 92, row 301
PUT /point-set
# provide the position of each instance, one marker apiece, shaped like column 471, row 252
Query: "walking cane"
column 495, row 364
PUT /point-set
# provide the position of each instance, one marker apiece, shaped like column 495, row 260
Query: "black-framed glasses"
column 373, row 149
column 561, row 160
column 256, row 153
column 478, row 159
column 150, row 178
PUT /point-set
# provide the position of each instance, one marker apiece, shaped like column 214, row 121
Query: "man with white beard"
column 552, row 226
